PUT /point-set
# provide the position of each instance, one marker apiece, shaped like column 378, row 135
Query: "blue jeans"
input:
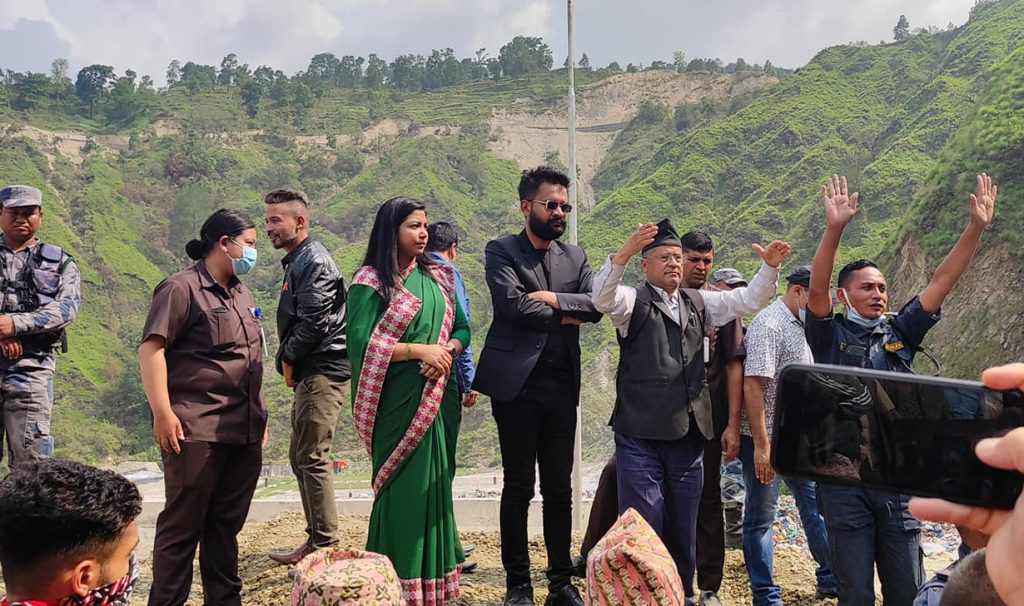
column 661, row 480
column 866, row 527
column 759, row 540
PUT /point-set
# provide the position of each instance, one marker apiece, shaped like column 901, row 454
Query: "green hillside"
column 909, row 123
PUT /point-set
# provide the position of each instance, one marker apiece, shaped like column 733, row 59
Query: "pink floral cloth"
column 337, row 577
column 630, row 565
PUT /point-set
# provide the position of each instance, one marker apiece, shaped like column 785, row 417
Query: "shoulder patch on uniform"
column 894, row 346
column 51, row 252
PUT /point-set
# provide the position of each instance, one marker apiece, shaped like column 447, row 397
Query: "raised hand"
column 643, row 236
column 983, row 202
column 775, row 253
column 840, row 206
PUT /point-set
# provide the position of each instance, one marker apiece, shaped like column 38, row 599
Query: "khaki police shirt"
column 214, row 352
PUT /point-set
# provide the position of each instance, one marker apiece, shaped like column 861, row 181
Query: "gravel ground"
column 268, row 585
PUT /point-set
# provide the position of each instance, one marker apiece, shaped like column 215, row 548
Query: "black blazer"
column 520, row 327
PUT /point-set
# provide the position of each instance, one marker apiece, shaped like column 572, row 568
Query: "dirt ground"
column 266, row 584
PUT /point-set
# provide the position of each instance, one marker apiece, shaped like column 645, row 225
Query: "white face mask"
column 856, row 318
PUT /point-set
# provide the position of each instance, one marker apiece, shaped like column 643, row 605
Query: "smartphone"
column 894, row 432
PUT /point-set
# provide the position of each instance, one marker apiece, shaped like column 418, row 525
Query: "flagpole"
column 577, row 464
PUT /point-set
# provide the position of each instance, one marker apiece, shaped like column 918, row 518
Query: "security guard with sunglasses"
column 40, row 291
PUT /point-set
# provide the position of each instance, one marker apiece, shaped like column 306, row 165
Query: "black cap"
column 801, row 276
column 667, row 236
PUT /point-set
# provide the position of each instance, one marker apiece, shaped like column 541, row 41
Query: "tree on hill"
column 264, row 76
column 525, row 55
column 494, row 68
column 408, row 72
column 376, row 72
column 585, row 62
column 228, row 65
column 173, row 73
column 442, row 69
column 125, row 100
column 92, row 84
column 252, row 92
column 679, row 61
column 196, row 77
column 350, row 71
column 324, row 68
column 59, row 79
column 651, row 112
column 902, row 29
column 30, row 89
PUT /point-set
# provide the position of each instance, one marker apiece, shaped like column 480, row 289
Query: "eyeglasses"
column 553, row 205
column 666, row 258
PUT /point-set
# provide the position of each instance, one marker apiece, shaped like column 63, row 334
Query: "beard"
column 285, row 241
column 549, row 230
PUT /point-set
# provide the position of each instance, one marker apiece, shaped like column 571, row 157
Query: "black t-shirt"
column 554, row 358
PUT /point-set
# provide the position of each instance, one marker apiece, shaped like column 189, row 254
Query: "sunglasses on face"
column 552, row 205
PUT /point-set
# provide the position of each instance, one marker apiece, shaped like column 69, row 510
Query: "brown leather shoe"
column 291, row 558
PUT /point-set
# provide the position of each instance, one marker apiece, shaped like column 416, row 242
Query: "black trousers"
column 537, row 429
column 209, row 488
column 711, row 521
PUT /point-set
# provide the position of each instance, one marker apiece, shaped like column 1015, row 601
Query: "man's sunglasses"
column 552, row 205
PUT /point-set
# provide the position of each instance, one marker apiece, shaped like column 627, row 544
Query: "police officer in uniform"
column 40, row 292
column 869, row 527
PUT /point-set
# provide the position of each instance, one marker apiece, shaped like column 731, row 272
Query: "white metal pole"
column 577, row 464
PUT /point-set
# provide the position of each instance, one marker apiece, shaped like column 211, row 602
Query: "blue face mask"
column 802, row 314
column 246, row 262
column 856, row 318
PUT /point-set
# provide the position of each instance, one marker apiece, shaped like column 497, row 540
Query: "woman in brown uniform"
column 202, row 369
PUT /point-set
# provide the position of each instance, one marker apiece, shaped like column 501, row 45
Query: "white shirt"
column 671, row 301
column 616, row 300
column 774, row 339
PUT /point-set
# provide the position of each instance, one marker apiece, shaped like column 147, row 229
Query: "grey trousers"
column 26, row 403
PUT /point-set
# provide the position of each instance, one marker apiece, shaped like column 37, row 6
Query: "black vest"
column 661, row 375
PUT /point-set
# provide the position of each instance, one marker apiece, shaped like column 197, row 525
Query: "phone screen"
column 894, row 432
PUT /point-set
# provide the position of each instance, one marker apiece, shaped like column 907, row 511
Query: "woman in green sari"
column 404, row 330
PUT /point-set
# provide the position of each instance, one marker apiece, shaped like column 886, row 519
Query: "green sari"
column 406, row 423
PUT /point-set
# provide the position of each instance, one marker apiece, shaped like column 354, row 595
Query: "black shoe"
column 469, row 568
column 826, row 594
column 579, row 567
column 468, row 549
column 564, row 596
column 520, row 595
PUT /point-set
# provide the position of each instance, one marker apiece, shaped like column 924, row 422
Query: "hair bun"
column 194, row 249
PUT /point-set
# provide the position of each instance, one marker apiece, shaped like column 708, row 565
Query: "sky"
column 145, row 35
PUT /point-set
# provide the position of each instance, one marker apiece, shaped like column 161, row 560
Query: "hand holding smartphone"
column 894, row 432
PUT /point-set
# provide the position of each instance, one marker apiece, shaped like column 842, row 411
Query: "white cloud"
column 145, row 35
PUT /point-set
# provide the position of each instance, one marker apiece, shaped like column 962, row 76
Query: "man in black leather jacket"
column 313, row 359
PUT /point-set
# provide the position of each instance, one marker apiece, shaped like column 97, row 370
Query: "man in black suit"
column 530, row 367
